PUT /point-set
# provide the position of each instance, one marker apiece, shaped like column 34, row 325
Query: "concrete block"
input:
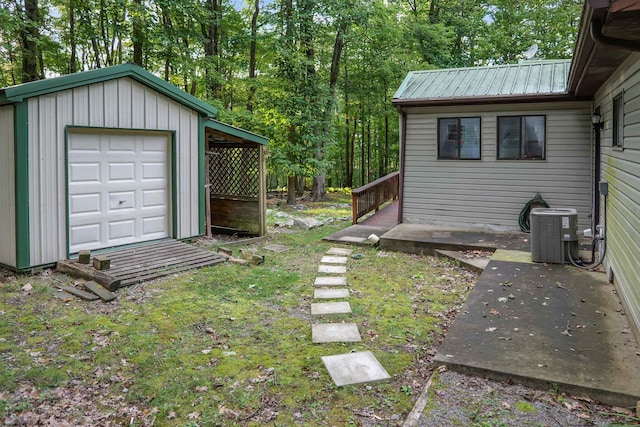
column 335, row 332
column 331, row 293
column 355, row 368
column 84, row 257
column 339, row 251
column 333, row 260
column 101, row 262
column 332, row 269
column 324, row 308
column 330, row 281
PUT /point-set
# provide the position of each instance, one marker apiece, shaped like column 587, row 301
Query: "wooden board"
column 79, row 292
column 100, row 291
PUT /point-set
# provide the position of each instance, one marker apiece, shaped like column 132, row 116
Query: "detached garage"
column 106, row 158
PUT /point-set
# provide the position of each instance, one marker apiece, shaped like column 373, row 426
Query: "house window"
column 521, row 137
column 459, row 138
column 618, row 121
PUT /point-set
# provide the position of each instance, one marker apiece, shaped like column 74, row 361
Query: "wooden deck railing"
column 371, row 196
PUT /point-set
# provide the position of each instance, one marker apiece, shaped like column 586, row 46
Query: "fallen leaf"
column 494, row 312
column 202, row 389
column 583, row 416
column 598, row 312
column 171, row 415
column 193, row 416
column 492, row 329
column 27, row 288
column 626, row 330
column 206, row 351
column 506, row 405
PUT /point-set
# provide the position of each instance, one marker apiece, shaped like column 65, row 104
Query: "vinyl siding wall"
column 122, row 103
column 621, row 169
column 7, row 189
column 488, row 193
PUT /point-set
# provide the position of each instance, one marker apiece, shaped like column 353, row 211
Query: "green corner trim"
column 174, row 186
column 201, row 177
column 21, row 155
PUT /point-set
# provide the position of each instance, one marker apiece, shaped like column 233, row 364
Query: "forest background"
column 317, row 77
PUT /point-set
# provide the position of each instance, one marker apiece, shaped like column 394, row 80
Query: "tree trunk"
column 211, row 33
column 291, row 190
column 137, row 35
column 29, row 35
column 252, row 55
column 72, row 38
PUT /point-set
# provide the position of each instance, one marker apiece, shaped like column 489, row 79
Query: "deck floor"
column 151, row 261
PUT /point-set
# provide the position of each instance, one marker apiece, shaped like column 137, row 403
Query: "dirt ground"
column 461, row 400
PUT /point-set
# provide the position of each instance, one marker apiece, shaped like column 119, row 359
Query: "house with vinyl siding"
column 116, row 156
column 478, row 143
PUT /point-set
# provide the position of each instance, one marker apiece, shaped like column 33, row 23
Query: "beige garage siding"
column 122, row 103
column 621, row 168
column 488, row 193
column 7, row 189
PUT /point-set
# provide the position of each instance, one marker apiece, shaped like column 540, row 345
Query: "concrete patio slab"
column 474, row 264
column 325, row 308
column 424, row 238
column 330, row 281
column 355, row 368
column 335, row 332
column 277, row 248
column 340, row 251
column 332, row 269
column 354, row 239
column 547, row 326
column 334, row 260
column 331, row 293
column 515, row 256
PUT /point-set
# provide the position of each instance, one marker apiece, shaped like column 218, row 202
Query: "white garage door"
column 118, row 189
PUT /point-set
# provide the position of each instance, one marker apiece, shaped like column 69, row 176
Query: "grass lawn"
column 226, row 345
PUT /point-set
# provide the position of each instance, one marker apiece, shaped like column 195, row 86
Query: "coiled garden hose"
column 523, row 219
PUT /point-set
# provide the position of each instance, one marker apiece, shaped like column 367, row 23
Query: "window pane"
column 470, row 138
column 618, row 121
column 448, row 138
column 509, row 137
column 533, row 137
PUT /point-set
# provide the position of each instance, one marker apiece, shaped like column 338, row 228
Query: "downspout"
column 599, row 38
column 403, row 145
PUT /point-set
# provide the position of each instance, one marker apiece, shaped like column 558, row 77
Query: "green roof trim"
column 237, row 132
column 21, row 92
column 528, row 78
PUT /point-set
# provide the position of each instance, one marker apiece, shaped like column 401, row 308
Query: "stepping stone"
column 355, row 368
column 352, row 239
column 330, row 293
column 277, row 248
column 335, row 332
column 335, row 269
column 322, row 308
column 334, row 260
column 330, row 281
column 339, row 251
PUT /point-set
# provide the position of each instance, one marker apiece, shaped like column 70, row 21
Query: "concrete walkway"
column 350, row 368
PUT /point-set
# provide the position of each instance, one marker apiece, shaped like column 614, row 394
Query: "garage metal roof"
column 236, row 132
column 531, row 78
column 23, row 91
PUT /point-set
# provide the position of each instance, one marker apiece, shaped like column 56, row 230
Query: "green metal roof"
column 237, row 132
column 531, row 78
column 21, row 92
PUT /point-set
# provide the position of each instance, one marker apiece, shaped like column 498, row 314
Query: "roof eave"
column 476, row 100
column 236, row 131
column 42, row 87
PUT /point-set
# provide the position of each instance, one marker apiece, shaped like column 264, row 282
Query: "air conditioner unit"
column 554, row 234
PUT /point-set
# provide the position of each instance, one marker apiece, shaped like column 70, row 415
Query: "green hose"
column 523, row 219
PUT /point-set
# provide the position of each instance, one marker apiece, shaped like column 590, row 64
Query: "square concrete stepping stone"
column 335, row 332
column 331, row 293
column 333, row 269
column 322, row 308
column 334, row 260
column 277, row 248
column 352, row 239
column 340, row 251
column 330, row 281
column 355, row 368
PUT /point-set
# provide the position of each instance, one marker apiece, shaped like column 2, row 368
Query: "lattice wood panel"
column 234, row 171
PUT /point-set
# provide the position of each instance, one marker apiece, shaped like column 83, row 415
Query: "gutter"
column 595, row 29
column 403, row 145
column 477, row 100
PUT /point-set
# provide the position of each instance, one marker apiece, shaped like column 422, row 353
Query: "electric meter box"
column 554, row 235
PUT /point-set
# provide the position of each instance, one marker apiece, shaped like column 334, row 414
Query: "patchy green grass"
column 225, row 345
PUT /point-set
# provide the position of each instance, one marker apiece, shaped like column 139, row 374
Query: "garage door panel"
column 122, row 172
column 87, row 235
column 84, row 172
column 123, row 197
column 84, row 204
column 152, row 198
